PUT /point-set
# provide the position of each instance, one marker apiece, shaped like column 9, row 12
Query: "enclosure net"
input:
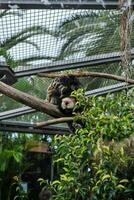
column 45, row 38
column 34, row 38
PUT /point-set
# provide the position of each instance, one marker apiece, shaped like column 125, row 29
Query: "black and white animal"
column 59, row 91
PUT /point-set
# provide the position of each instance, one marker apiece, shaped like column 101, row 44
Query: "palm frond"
column 82, row 18
column 3, row 13
column 9, row 60
column 16, row 41
column 31, row 43
column 23, row 35
column 33, row 58
column 88, row 17
column 103, row 27
column 8, row 12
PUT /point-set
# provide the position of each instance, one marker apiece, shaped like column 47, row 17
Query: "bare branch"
column 54, row 121
column 30, row 100
column 91, row 74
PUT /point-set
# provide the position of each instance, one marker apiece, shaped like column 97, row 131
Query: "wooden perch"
column 91, row 74
column 30, row 100
column 54, row 121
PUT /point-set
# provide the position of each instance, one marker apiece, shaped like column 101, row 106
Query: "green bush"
column 96, row 163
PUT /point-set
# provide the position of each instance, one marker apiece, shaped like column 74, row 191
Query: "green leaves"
column 89, row 31
column 6, row 156
column 22, row 36
column 93, row 164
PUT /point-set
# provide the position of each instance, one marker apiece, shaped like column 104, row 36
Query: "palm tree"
column 92, row 33
column 9, row 43
column 20, row 37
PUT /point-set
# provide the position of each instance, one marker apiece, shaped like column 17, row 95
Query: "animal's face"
column 68, row 103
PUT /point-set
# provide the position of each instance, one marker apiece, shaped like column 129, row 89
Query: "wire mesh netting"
column 51, row 38
column 39, row 37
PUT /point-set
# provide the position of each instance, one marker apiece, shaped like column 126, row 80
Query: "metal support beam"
column 23, row 127
column 108, row 89
column 71, row 64
column 16, row 112
column 58, row 4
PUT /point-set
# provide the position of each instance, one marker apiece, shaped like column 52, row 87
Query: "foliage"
column 91, row 33
column 21, row 194
column 91, row 163
column 8, row 58
column 20, row 37
column 13, row 163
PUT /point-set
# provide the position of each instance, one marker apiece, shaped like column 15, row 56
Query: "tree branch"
column 30, row 100
column 54, row 121
column 91, row 74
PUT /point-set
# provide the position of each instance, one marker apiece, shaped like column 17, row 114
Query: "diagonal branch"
column 30, row 100
column 54, row 121
column 91, row 74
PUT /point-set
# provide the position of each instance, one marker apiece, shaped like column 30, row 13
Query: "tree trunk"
column 90, row 74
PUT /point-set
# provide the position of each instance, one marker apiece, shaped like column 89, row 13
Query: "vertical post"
column 125, row 35
column 0, row 152
column 52, row 169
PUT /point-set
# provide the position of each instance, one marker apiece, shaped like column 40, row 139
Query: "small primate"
column 59, row 91
column 59, row 94
column 67, row 105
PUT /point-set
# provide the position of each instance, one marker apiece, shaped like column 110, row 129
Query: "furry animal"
column 67, row 105
column 59, row 91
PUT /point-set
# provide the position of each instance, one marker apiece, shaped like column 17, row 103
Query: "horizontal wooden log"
column 29, row 100
column 54, row 121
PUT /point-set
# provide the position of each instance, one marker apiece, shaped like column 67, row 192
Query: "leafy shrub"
column 97, row 161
